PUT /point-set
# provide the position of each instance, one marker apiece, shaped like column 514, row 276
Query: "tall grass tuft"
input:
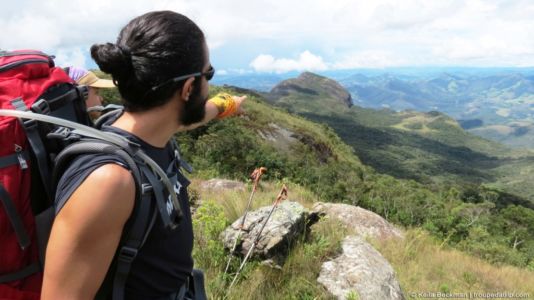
column 422, row 265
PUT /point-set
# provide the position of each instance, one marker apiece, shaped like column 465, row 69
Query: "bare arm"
column 86, row 233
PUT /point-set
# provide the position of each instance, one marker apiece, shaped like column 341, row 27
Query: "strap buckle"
column 29, row 124
column 59, row 133
column 83, row 91
column 127, row 254
column 146, row 188
column 41, row 106
column 64, row 134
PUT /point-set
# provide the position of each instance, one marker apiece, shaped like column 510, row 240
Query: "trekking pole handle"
column 281, row 196
column 256, row 175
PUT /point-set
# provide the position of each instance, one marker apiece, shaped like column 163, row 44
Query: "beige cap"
column 90, row 79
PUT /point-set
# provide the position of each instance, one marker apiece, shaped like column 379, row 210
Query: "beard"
column 194, row 109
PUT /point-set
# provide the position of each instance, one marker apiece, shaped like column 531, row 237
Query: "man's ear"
column 187, row 89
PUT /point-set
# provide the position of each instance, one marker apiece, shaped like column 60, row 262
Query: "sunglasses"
column 208, row 74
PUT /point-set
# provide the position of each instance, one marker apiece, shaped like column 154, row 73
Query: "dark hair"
column 151, row 49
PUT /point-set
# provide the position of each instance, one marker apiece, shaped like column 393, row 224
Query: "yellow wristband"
column 225, row 103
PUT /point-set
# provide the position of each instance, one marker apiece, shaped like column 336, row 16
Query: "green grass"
column 422, row 265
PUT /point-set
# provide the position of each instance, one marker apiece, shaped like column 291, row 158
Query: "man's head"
column 150, row 51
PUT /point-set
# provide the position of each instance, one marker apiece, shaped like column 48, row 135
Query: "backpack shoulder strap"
column 178, row 158
column 141, row 225
column 37, row 146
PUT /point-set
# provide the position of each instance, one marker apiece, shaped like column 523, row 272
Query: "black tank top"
column 164, row 262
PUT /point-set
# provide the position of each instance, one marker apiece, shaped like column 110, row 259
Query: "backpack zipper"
column 7, row 54
column 22, row 162
column 22, row 62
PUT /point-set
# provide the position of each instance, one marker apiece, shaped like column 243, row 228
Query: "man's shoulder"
column 98, row 166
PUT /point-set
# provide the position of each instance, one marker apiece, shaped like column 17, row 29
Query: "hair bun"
column 113, row 59
column 125, row 50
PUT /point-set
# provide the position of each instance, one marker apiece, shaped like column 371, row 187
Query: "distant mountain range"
column 428, row 147
column 498, row 105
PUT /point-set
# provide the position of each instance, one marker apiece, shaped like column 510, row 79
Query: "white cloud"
column 306, row 61
column 369, row 59
column 239, row 71
column 354, row 32
column 70, row 57
column 37, row 32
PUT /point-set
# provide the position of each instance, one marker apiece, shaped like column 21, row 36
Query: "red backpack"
column 28, row 81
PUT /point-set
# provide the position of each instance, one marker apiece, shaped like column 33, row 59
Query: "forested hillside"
column 428, row 147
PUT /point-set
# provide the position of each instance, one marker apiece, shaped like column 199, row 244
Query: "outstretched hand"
column 239, row 100
column 221, row 106
column 227, row 105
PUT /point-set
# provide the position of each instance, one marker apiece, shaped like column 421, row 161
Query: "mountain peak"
column 312, row 84
column 310, row 76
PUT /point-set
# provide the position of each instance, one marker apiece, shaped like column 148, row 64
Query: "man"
column 160, row 64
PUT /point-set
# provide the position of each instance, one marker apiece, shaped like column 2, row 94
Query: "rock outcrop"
column 362, row 270
column 287, row 222
column 282, row 138
column 364, row 222
column 222, row 184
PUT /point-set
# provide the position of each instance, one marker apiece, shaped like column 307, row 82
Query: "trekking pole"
column 255, row 176
column 281, row 196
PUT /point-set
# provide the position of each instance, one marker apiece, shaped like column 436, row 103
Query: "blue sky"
column 277, row 36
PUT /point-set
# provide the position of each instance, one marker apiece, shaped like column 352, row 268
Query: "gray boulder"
column 286, row 223
column 364, row 222
column 222, row 184
column 362, row 270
